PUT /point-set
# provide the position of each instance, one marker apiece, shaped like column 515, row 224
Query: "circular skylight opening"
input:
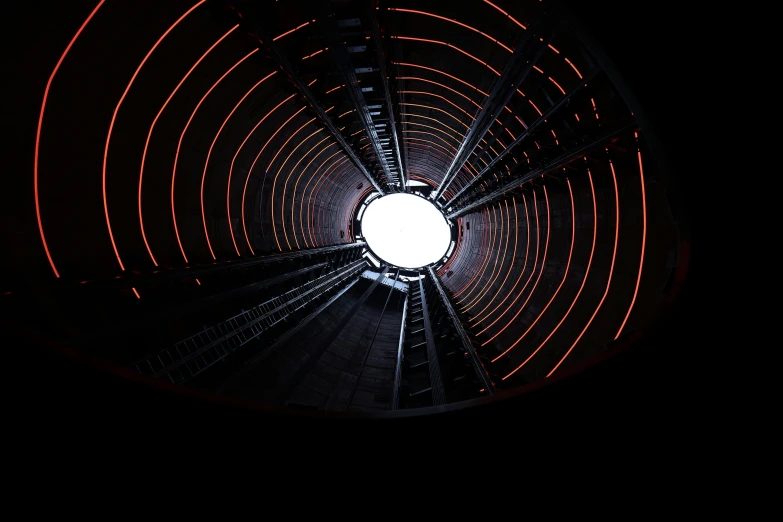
column 405, row 230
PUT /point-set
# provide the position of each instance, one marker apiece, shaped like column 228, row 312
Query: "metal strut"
column 558, row 162
column 514, row 73
column 528, row 132
column 354, row 91
column 478, row 367
column 249, row 19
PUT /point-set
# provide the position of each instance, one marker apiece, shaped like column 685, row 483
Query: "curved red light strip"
column 584, row 279
column 276, row 38
column 152, row 128
column 293, row 207
column 611, row 270
column 442, row 98
column 494, row 237
column 541, row 271
column 486, row 230
column 644, row 239
column 209, row 154
column 341, row 163
column 441, row 72
column 304, row 193
column 494, row 295
column 478, row 316
column 111, row 128
column 413, row 114
column 482, row 62
column 38, row 134
column 285, row 184
column 436, row 109
column 439, row 85
column 247, row 179
column 250, row 171
column 505, row 14
column 565, row 275
column 179, row 145
column 495, row 268
column 274, row 181
column 507, row 48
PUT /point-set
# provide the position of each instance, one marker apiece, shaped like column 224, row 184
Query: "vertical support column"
column 467, row 345
column 436, row 381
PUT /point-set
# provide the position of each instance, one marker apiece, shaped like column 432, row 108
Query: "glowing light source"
column 405, row 230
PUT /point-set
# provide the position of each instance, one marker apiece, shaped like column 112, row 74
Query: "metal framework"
column 533, row 43
column 398, row 364
column 355, row 93
column 266, row 40
column 190, row 357
column 557, row 163
column 478, row 367
column 436, row 380
column 551, row 111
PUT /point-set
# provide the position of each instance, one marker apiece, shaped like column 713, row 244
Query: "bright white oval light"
column 405, row 230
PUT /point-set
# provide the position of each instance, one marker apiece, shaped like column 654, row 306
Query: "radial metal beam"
column 467, row 345
column 139, row 278
column 376, row 36
column 353, row 89
column 324, row 342
column 433, row 364
column 532, row 44
column 252, row 20
column 557, row 163
column 398, row 364
column 551, row 111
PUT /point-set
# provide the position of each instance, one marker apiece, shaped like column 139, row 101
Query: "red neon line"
column 111, row 127
column 250, row 171
column 482, row 62
column 506, row 14
column 493, row 276
column 565, row 275
column 541, row 271
column 440, row 85
column 534, row 106
column 274, row 183
column 413, row 114
column 442, row 98
column 484, row 262
column 209, row 153
column 644, row 239
column 436, row 109
column 152, row 128
column 38, row 134
column 433, row 128
column 136, row 292
column 293, row 206
column 611, row 270
column 454, row 22
column 231, row 172
column 443, row 73
column 478, row 318
column 584, row 279
column 573, row 67
column 179, row 145
column 433, row 135
column 278, row 173
column 340, row 163
column 333, row 89
column 556, row 84
column 276, row 38
column 537, row 69
column 304, row 193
